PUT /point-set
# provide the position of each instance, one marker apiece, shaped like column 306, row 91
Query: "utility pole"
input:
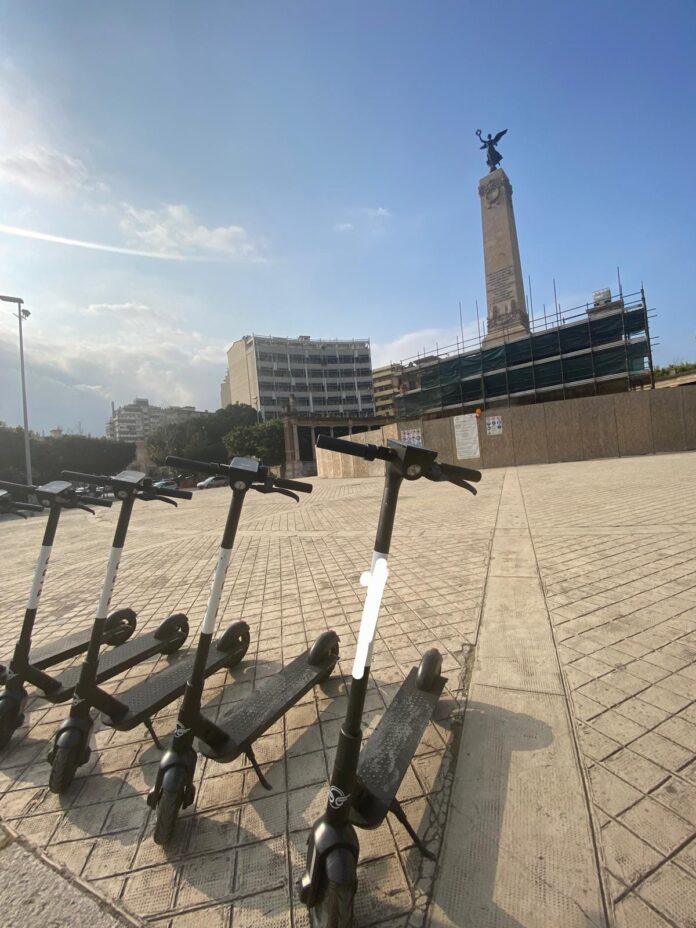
column 22, row 314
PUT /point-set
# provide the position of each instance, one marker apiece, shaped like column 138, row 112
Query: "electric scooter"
column 29, row 665
column 234, row 734
column 135, row 705
column 70, row 748
column 363, row 785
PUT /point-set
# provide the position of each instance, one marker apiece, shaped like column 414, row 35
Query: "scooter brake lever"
column 16, row 512
column 86, row 508
column 434, row 472
column 268, row 488
column 463, row 484
column 154, row 496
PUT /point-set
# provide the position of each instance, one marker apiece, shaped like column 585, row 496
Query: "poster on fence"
column 494, row 425
column 412, row 437
column 466, row 437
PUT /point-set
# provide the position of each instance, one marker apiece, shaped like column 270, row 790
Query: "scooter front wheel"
column 167, row 813
column 235, row 641
column 334, row 908
column 64, row 766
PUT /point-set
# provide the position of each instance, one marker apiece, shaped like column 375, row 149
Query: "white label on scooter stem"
column 223, row 563
column 109, row 583
column 368, row 624
column 39, row 574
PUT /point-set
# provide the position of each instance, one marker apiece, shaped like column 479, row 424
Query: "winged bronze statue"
column 493, row 156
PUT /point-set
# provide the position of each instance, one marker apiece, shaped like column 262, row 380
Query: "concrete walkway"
column 519, row 847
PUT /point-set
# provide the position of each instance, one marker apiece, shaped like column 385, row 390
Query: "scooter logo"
column 180, row 730
column 76, row 700
column 10, row 675
column 337, row 797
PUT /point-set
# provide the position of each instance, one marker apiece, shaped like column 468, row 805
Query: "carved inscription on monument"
column 500, row 285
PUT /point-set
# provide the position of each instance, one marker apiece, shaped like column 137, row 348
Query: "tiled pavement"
column 615, row 545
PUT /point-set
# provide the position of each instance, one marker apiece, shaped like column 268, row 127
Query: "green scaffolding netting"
column 567, row 355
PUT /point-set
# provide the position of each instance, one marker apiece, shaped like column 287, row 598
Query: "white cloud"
column 173, row 229
column 44, row 171
column 366, row 219
column 420, row 342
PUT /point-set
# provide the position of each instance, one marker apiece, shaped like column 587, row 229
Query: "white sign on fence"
column 412, row 437
column 466, row 437
column 494, row 425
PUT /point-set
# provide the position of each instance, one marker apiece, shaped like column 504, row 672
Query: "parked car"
column 212, row 482
column 166, row 484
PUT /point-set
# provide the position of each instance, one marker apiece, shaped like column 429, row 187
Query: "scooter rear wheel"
column 335, row 907
column 167, row 814
column 119, row 626
column 64, row 766
column 429, row 669
column 326, row 646
column 175, row 628
column 236, row 639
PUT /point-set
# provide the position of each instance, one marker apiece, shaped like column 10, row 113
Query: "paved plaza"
column 557, row 783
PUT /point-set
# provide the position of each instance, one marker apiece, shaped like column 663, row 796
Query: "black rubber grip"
column 295, row 485
column 16, row 487
column 461, row 473
column 369, row 452
column 30, row 506
column 203, row 467
column 176, row 494
column 93, row 501
column 76, row 476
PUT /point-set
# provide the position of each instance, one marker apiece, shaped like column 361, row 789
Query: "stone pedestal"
column 507, row 314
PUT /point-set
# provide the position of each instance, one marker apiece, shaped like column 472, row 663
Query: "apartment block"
column 385, row 384
column 136, row 420
column 301, row 376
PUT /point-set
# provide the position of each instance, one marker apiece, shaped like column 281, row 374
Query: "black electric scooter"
column 70, row 747
column 235, row 733
column 363, row 785
column 29, row 665
column 136, row 704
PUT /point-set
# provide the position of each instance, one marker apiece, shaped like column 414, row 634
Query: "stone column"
column 507, row 313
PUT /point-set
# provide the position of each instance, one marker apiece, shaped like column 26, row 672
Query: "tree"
column 265, row 440
column 200, row 437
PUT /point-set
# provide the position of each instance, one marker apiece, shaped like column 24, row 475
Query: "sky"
column 176, row 175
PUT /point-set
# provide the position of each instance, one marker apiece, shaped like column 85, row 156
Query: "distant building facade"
column 385, row 383
column 301, row 376
column 225, row 398
column 137, row 420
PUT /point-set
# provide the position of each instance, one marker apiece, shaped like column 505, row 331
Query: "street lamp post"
column 22, row 314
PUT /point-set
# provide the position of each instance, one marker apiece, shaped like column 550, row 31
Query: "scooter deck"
column 250, row 718
column 53, row 652
column 111, row 663
column 385, row 758
column 153, row 693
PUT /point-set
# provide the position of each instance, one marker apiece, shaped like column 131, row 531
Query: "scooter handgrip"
column 203, row 467
column 369, row 452
column 295, row 485
column 176, row 494
column 76, row 477
column 31, row 507
column 461, row 473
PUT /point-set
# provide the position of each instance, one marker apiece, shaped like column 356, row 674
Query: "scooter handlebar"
column 460, row 473
column 30, row 507
column 16, row 487
column 295, row 485
column 95, row 501
column 76, row 476
column 203, row 467
column 368, row 452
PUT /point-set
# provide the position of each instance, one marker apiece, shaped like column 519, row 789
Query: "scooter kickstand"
column 151, row 731
column 397, row 810
column 257, row 770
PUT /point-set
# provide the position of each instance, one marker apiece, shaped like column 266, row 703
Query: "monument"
column 507, row 314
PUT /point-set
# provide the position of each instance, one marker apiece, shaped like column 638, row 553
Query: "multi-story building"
column 137, row 420
column 385, row 383
column 301, row 376
column 225, row 398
